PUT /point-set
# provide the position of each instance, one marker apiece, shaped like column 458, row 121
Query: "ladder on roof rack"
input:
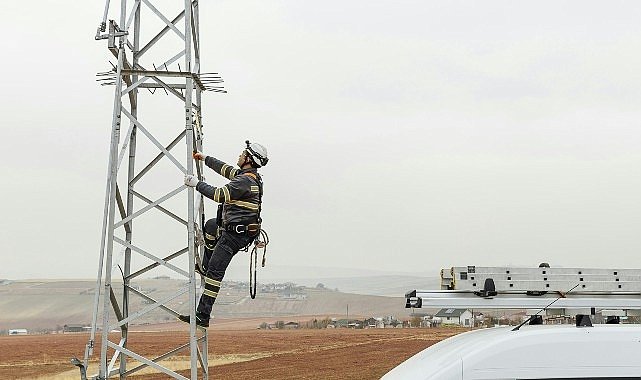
column 532, row 288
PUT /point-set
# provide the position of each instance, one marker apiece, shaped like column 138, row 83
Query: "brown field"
column 234, row 354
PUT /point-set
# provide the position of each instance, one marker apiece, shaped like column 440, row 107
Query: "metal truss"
column 112, row 309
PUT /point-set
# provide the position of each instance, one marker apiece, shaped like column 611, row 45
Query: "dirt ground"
column 234, row 354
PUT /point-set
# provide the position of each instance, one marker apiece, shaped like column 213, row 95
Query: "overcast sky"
column 404, row 136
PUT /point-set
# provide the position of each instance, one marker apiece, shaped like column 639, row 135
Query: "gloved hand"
column 198, row 155
column 191, row 180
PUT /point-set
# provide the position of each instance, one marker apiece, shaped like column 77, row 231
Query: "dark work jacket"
column 240, row 197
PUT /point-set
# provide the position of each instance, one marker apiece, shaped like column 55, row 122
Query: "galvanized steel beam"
column 128, row 77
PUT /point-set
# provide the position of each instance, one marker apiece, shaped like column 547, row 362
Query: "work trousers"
column 216, row 262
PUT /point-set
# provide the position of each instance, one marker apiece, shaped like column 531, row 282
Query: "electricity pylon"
column 135, row 71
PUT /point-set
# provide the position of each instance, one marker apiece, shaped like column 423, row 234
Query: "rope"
column 260, row 242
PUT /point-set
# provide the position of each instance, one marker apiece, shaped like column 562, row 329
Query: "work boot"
column 199, row 322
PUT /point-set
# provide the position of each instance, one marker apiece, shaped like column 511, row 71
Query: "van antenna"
column 561, row 295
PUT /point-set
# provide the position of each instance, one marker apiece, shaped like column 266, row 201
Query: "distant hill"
column 50, row 304
column 390, row 285
column 347, row 280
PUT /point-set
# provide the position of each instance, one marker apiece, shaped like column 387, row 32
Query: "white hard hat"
column 257, row 153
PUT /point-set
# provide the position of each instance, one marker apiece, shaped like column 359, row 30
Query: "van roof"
column 543, row 351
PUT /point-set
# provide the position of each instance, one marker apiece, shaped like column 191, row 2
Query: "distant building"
column 18, row 332
column 291, row 325
column 340, row 322
column 349, row 323
column 369, row 323
column 429, row 321
column 460, row 317
column 74, row 328
column 391, row 321
column 293, row 297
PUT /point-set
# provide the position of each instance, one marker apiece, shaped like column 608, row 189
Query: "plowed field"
column 233, row 354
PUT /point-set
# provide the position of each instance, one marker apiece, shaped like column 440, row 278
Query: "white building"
column 460, row 317
column 18, row 332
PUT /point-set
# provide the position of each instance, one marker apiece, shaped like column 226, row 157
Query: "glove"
column 198, row 155
column 191, row 180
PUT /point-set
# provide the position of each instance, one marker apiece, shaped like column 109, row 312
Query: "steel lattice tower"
column 179, row 77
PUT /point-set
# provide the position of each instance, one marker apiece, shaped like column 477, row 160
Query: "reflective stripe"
column 211, row 281
column 210, row 293
column 212, row 288
column 247, row 205
column 254, row 189
column 223, row 169
column 226, row 191
column 217, row 194
column 210, row 237
column 232, row 172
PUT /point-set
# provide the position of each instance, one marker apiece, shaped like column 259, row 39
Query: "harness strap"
column 251, row 228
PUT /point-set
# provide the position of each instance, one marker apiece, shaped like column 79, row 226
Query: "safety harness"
column 260, row 241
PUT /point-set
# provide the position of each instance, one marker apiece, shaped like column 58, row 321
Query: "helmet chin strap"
column 245, row 162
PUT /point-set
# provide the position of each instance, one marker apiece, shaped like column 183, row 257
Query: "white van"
column 532, row 352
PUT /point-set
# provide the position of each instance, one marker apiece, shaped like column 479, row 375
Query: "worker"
column 238, row 223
